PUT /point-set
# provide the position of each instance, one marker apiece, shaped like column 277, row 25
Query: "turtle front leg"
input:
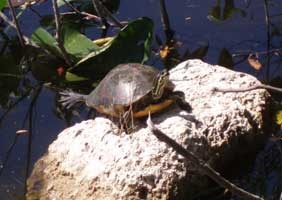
column 179, row 98
column 125, row 119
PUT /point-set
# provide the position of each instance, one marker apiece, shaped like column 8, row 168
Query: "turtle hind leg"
column 68, row 99
column 179, row 99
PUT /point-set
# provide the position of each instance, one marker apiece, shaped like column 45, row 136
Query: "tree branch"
column 20, row 36
column 10, row 23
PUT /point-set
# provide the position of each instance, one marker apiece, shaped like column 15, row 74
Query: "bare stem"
column 59, row 37
column 99, row 5
column 20, row 36
column 71, row 6
column 85, row 14
column 81, row 12
column 96, row 8
column 203, row 167
column 12, row 24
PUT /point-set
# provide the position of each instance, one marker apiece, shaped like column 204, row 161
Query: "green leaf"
column 47, row 21
column 74, row 78
column 46, row 41
column 77, row 44
column 225, row 59
column 200, row 52
column 219, row 14
column 132, row 44
column 3, row 3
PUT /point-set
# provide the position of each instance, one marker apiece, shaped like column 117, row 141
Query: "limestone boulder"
column 90, row 161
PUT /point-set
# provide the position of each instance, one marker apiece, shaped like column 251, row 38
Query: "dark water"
column 238, row 34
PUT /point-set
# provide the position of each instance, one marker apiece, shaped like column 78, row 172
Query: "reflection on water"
column 265, row 177
column 195, row 34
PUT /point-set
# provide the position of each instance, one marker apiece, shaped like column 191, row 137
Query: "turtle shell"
column 128, row 85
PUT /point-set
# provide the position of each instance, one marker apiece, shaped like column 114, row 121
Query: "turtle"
column 131, row 88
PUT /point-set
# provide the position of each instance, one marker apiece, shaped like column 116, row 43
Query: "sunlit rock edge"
column 89, row 161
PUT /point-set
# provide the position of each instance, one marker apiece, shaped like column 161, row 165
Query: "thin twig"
column 203, row 167
column 20, row 36
column 267, row 22
column 107, row 12
column 97, row 10
column 10, row 23
column 59, row 31
column 84, row 14
column 90, row 16
column 72, row 7
column 102, row 17
column 255, row 87
column 35, row 11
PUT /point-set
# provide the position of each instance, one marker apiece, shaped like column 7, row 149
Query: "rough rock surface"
column 89, row 161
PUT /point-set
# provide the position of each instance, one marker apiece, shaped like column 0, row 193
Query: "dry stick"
column 35, row 12
column 108, row 13
column 81, row 12
column 96, row 8
column 71, row 6
column 59, row 31
column 88, row 15
column 26, row 39
column 103, row 18
column 203, row 167
column 267, row 19
column 16, row 23
column 255, row 87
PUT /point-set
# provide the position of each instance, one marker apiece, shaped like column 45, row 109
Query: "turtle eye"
column 164, row 73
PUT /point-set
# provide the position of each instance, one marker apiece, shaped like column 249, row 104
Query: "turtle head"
column 159, row 84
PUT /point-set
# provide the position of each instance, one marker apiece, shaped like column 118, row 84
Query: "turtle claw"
column 179, row 99
column 69, row 98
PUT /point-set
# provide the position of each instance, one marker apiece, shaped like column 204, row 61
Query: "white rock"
column 88, row 161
